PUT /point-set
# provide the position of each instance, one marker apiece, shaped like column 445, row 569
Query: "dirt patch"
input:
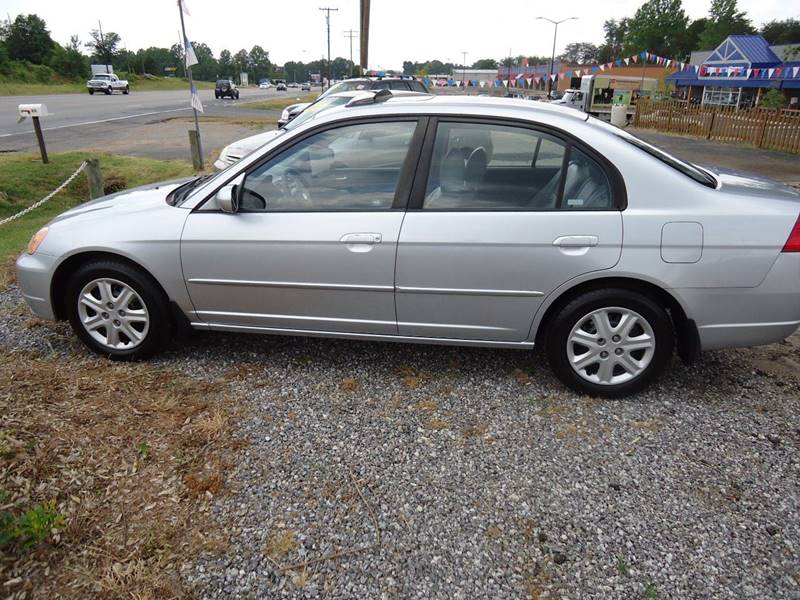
column 117, row 463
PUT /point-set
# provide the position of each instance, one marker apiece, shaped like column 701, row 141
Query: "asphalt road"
column 150, row 124
column 82, row 110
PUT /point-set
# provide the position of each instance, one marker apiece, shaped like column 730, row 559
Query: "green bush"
column 31, row 527
column 773, row 99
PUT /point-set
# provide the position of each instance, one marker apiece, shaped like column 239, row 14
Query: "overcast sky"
column 400, row 30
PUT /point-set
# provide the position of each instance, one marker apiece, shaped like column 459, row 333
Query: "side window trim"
column 614, row 177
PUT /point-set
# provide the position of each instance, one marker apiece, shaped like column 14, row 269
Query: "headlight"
column 37, row 239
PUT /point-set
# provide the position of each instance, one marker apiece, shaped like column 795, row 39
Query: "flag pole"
column 191, row 83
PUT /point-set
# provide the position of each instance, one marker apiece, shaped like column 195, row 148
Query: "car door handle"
column 576, row 241
column 361, row 238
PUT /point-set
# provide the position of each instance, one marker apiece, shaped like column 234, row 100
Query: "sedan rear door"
column 503, row 215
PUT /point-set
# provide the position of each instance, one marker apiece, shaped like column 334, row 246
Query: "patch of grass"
column 280, row 103
column 426, row 406
column 280, row 543
column 622, row 565
column 650, row 592
column 437, row 424
column 32, row 527
column 349, row 384
column 476, row 430
column 80, row 430
column 25, row 180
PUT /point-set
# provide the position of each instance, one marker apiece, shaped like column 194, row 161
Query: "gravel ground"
column 381, row 470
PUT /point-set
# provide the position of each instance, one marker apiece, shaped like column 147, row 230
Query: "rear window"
column 687, row 169
column 222, row 81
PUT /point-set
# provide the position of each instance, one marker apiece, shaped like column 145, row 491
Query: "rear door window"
column 496, row 167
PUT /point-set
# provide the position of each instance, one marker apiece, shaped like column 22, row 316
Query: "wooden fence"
column 760, row 127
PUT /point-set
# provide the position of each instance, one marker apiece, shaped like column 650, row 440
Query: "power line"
column 327, row 11
column 350, row 33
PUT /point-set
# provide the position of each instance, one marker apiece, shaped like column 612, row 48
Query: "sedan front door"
column 314, row 244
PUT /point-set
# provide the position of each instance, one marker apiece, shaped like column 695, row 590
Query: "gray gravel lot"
column 382, row 470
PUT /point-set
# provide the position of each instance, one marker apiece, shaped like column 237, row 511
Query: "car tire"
column 127, row 90
column 237, row 96
column 91, row 92
column 145, row 314
column 216, row 96
column 615, row 367
column 108, row 91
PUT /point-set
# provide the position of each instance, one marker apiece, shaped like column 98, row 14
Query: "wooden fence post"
column 763, row 128
column 711, row 124
column 194, row 145
column 95, row 178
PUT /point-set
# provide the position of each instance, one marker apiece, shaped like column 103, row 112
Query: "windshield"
column 310, row 111
column 688, row 169
column 351, row 85
column 102, row 76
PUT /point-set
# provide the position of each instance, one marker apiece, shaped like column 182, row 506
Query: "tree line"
column 27, row 47
column 658, row 26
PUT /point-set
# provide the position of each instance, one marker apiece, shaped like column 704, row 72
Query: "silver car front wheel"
column 113, row 314
column 611, row 345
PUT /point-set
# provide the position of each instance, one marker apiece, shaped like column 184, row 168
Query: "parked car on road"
column 281, row 87
column 294, row 84
column 226, row 87
column 438, row 219
column 305, row 86
column 107, row 83
column 265, row 84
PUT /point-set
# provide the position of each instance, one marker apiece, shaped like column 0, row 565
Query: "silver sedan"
column 447, row 220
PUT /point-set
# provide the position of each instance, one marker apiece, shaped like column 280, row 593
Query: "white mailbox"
column 32, row 110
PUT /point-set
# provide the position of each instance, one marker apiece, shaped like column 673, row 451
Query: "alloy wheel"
column 113, row 314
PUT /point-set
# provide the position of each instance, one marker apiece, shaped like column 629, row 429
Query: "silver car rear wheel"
column 113, row 314
column 611, row 345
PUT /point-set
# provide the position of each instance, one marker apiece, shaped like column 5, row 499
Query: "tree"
column 485, row 63
column 104, row 47
column 615, row 32
column 773, row 99
column 782, row 32
column 68, row 60
column 225, row 64
column 579, row 53
column 241, row 60
column 657, row 27
column 259, row 62
column 28, row 39
column 724, row 19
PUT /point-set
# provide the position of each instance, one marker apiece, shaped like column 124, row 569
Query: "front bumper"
column 34, row 273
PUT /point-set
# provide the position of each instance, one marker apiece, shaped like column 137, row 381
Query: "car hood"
column 248, row 144
column 146, row 197
column 739, row 182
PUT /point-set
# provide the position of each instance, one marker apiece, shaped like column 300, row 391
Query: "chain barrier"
column 46, row 198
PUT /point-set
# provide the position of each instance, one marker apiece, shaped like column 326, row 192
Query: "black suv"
column 226, row 87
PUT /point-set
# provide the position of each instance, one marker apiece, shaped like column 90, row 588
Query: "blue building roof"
column 739, row 61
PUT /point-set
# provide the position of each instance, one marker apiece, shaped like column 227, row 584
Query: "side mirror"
column 228, row 196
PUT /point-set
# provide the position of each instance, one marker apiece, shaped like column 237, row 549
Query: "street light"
column 464, row 68
column 553, row 57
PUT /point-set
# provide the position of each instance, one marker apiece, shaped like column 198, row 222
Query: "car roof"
column 486, row 106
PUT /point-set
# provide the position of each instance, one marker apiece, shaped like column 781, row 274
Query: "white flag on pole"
column 189, row 55
column 184, row 8
column 196, row 104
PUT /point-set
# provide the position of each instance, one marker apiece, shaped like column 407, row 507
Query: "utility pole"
column 553, row 57
column 191, row 86
column 464, row 68
column 350, row 34
column 103, row 43
column 327, row 11
column 364, row 47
